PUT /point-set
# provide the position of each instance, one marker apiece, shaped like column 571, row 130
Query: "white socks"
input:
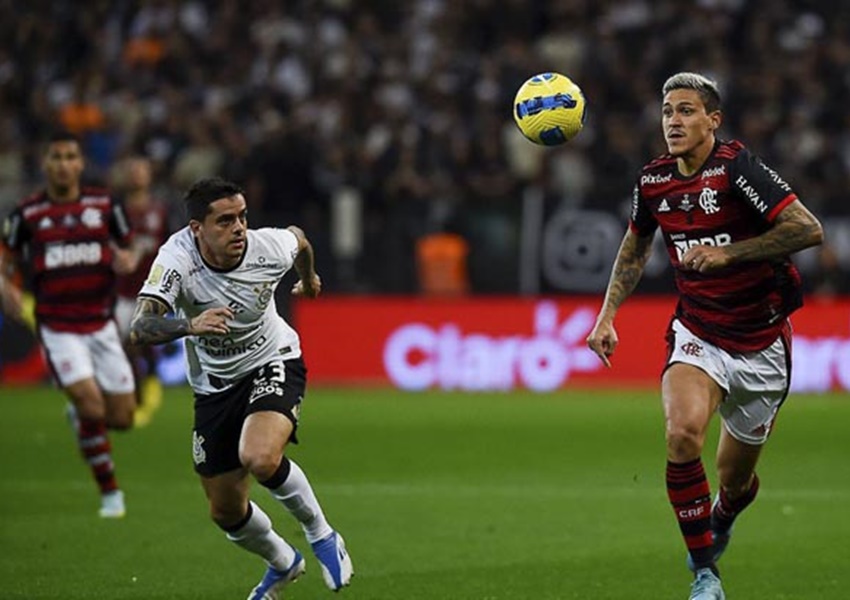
column 297, row 496
column 257, row 536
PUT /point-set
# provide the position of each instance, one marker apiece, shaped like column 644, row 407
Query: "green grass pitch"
column 439, row 496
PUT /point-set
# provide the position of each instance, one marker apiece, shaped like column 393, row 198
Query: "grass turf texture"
column 439, row 496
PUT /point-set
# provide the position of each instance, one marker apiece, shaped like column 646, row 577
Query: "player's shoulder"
column 730, row 149
column 273, row 235
column 33, row 199
column 181, row 243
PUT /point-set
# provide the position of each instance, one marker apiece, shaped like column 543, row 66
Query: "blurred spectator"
column 410, row 103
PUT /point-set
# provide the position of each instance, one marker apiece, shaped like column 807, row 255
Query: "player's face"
column 686, row 124
column 138, row 174
column 222, row 234
column 63, row 164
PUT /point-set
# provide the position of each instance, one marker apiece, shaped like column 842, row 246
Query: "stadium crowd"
column 373, row 123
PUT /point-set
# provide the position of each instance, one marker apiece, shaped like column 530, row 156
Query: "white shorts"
column 124, row 308
column 756, row 383
column 77, row 356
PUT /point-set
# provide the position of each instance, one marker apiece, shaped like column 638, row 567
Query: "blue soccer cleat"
column 274, row 580
column 336, row 564
column 706, row 586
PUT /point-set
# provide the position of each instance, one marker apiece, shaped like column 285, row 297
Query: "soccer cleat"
column 112, row 505
column 719, row 541
column 274, row 581
column 336, row 563
column 706, row 586
column 150, row 399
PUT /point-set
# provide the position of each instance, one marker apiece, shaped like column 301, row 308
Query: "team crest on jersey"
column 692, row 349
column 708, row 201
column 92, row 218
column 199, row 455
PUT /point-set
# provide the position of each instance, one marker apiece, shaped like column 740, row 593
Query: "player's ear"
column 716, row 120
column 195, row 226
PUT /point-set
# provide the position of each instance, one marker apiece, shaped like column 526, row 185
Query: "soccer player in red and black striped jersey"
column 730, row 224
column 75, row 240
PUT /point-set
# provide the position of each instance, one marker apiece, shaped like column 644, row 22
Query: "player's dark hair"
column 206, row 191
column 705, row 87
column 61, row 135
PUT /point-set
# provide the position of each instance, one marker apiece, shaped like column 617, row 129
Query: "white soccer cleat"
column 337, row 569
column 112, row 505
column 706, row 586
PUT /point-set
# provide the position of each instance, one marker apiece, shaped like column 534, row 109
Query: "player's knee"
column 683, row 443
column 120, row 422
column 260, row 462
column 226, row 515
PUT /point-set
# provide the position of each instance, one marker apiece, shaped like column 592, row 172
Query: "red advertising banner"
column 505, row 343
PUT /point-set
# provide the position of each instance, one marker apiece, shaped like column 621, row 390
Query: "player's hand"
column 705, row 259
column 212, row 321
column 603, row 341
column 11, row 300
column 124, row 260
column 309, row 287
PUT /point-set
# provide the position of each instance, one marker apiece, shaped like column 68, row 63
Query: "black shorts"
column 276, row 386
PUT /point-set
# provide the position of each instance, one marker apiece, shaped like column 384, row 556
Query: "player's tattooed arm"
column 794, row 229
column 151, row 325
column 309, row 283
column 628, row 268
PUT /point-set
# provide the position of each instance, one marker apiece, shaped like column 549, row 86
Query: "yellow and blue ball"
column 549, row 109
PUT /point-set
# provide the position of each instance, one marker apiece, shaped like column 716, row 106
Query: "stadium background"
column 378, row 126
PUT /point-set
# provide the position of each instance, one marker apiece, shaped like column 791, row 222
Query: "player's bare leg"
column 262, row 444
column 93, row 441
column 690, row 399
column 249, row 527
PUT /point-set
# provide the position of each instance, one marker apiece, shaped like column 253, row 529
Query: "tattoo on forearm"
column 627, row 271
column 795, row 229
column 151, row 326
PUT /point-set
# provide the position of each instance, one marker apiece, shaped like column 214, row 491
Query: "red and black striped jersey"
column 150, row 230
column 66, row 246
column 733, row 197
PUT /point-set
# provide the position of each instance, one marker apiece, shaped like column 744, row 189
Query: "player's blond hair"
column 705, row 87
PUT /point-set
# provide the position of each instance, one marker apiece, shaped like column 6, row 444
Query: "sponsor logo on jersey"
column 775, row 177
column 664, row 206
column 714, row 172
column 170, row 279
column 721, row 239
column 655, row 179
column 708, row 201
column 750, row 194
column 155, row 275
column 225, row 346
column 72, row 255
column 45, row 223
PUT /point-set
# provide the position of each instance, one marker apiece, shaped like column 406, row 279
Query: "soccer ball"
column 549, row 109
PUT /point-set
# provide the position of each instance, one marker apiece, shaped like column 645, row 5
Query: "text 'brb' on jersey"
column 183, row 280
column 67, row 246
column 733, row 197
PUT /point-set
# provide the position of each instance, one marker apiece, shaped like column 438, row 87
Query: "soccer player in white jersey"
column 244, row 363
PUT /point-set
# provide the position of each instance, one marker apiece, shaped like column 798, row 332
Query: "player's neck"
column 63, row 194
column 137, row 199
column 693, row 161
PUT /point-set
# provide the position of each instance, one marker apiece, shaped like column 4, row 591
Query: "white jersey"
column 188, row 285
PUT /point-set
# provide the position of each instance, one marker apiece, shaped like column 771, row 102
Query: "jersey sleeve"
column 14, row 233
column 642, row 222
column 166, row 277
column 284, row 245
column 119, row 224
column 760, row 186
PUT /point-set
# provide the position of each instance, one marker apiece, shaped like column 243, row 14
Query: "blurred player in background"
column 74, row 241
column 148, row 218
column 730, row 224
column 246, row 370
